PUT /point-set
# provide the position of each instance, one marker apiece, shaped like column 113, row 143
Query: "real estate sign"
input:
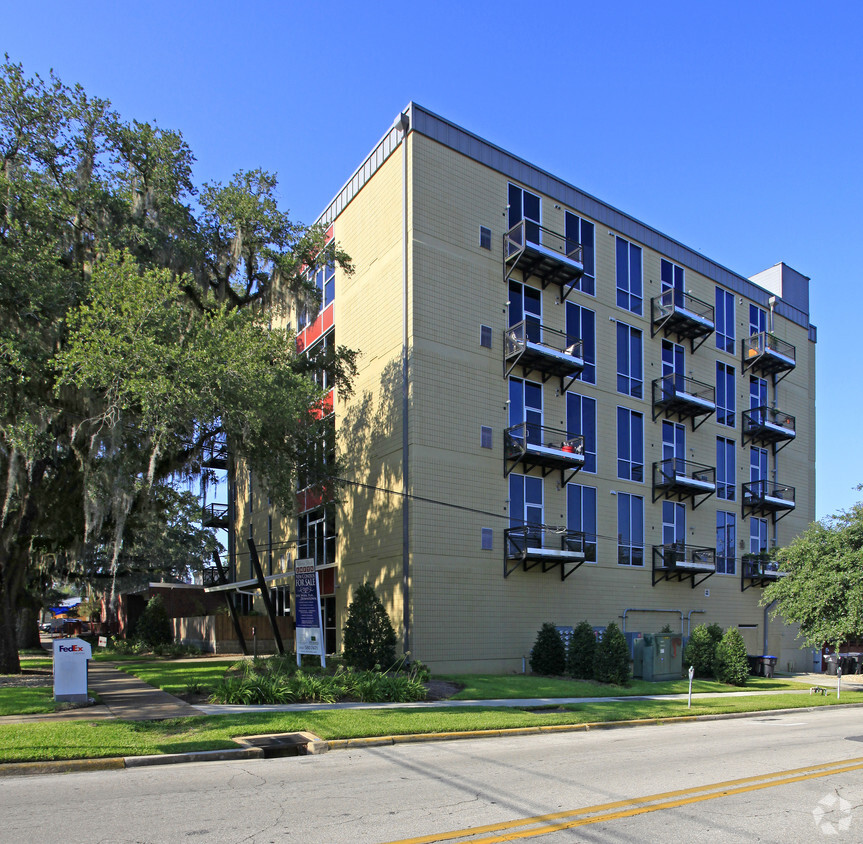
column 307, row 606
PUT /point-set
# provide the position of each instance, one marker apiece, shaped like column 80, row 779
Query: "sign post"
column 310, row 632
column 691, row 675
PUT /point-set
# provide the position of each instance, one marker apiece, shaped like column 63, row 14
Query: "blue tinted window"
column 581, row 325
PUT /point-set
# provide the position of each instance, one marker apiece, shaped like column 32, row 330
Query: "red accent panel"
column 317, row 329
column 309, row 499
column 329, row 234
column 328, row 576
column 324, row 407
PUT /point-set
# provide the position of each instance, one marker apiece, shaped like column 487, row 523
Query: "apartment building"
column 560, row 414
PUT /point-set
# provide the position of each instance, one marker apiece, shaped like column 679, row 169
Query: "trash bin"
column 754, row 664
column 768, row 665
column 832, row 662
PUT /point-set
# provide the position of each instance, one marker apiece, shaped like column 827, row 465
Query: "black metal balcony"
column 764, row 497
column 684, row 398
column 530, row 446
column 543, row 253
column 758, row 570
column 549, row 352
column 678, row 561
column 215, row 455
column 768, row 426
column 529, row 546
column 684, row 316
column 680, row 479
column 766, row 353
column 215, row 516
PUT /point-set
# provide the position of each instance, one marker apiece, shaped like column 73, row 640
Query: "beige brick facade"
column 462, row 613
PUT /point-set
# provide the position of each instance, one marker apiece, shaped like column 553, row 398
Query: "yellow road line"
column 687, row 796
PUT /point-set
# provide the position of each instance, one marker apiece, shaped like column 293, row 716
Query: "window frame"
column 629, row 280
column 574, row 224
column 726, row 539
column 726, row 394
column 726, row 458
column 577, row 318
column 579, row 517
column 626, row 550
column 629, row 468
column 629, row 384
column 724, row 321
column 576, row 405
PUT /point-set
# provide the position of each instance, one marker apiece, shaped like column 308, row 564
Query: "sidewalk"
column 122, row 695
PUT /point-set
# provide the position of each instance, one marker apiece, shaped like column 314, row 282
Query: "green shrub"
column 368, row 634
column 732, row 665
column 174, row 651
column 548, row 656
column 154, row 626
column 611, row 659
column 579, row 656
column 127, row 646
column 700, row 652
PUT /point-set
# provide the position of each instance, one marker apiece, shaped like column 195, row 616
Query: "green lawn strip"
column 174, row 677
column 509, row 686
column 85, row 739
column 26, row 700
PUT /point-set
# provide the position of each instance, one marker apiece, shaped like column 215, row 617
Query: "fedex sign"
column 70, row 669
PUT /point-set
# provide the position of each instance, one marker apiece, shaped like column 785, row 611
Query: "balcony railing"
column 678, row 561
column 546, row 254
column 768, row 497
column 766, row 353
column 532, row 545
column 758, row 570
column 768, row 425
column 215, row 515
column 535, row 347
column 683, row 397
column 214, row 455
column 684, row 478
column 532, row 445
column 679, row 313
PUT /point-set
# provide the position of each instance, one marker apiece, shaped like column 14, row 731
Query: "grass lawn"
column 95, row 739
column 26, row 700
column 509, row 686
column 174, row 676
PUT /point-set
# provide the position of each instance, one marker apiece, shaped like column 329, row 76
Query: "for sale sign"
column 307, row 606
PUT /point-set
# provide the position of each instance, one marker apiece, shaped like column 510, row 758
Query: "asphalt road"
column 782, row 778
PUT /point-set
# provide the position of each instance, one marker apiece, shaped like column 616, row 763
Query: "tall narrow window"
column 673, row 523
column 581, row 515
column 757, row 536
column 630, row 529
column 725, row 469
column 671, row 278
column 757, row 397
column 525, row 406
column 525, row 303
column 630, row 376
column 725, row 394
column 581, row 231
column 581, row 325
column 672, row 364
column 525, row 500
column 674, row 446
column 628, row 273
column 757, row 320
column 724, row 320
column 726, row 542
column 581, row 419
column 524, row 205
column 757, row 464
column 630, row 445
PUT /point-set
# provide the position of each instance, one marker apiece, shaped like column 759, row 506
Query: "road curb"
column 60, row 766
column 380, row 741
column 317, row 745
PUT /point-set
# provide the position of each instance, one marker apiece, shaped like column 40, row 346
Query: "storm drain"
column 277, row 745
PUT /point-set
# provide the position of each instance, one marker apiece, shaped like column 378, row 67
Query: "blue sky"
column 736, row 128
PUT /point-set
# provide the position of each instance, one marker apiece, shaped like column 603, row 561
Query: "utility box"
column 658, row 657
column 71, row 657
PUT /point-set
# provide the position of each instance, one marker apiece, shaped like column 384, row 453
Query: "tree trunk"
column 28, row 629
column 9, row 662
